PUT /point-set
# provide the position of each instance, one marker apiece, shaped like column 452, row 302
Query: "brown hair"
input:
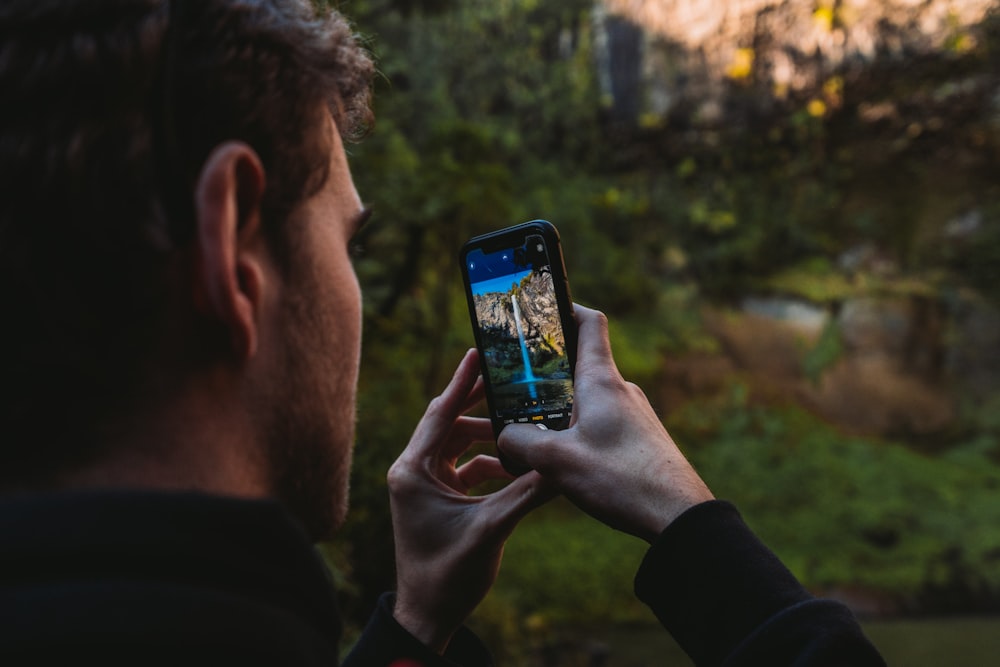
column 109, row 108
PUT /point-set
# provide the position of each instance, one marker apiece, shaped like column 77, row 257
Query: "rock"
column 540, row 322
column 888, row 379
column 974, row 354
column 870, row 395
column 874, row 327
column 796, row 312
column 767, row 348
column 694, row 50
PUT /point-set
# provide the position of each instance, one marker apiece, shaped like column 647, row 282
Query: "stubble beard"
column 310, row 434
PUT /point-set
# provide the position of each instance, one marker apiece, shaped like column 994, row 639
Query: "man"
column 182, row 342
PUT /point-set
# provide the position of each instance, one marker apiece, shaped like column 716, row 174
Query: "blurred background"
column 790, row 212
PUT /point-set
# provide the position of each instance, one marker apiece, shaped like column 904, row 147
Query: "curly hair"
column 109, row 108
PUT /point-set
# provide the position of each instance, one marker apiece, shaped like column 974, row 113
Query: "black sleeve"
column 727, row 599
column 385, row 642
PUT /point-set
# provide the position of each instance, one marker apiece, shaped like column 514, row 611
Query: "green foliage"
column 844, row 511
column 561, row 566
column 816, row 280
column 827, row 350
column 490, row 113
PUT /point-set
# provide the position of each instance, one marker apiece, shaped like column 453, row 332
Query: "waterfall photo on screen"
column 524, row 344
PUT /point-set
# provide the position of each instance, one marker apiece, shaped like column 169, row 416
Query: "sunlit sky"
column 501, row 284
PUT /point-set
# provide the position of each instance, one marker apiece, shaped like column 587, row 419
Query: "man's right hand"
column 616, row 461
column 449, row 542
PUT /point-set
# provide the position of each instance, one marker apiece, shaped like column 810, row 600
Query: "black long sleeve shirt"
column 117, row 578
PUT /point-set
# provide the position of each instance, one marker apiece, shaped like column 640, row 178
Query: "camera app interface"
column 521, row 334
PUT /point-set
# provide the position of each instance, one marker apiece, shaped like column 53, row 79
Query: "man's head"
column 123, row 124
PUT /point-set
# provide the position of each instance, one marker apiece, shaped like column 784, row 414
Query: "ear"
column 230, row 273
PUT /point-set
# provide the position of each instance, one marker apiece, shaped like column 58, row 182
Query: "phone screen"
column 519, row 320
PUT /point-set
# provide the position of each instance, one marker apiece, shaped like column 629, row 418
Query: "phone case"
column 522, row 317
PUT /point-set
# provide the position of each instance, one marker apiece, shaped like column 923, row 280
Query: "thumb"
column 594, row 354
column 525, row 444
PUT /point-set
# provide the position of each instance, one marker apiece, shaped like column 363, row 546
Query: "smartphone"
column 522, row 318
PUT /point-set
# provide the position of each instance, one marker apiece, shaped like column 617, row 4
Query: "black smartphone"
column 522, row 317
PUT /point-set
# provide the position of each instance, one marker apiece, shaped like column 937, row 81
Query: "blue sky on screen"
column 501, row 284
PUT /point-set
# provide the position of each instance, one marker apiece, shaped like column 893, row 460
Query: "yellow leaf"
column 650, row 121
column 824, row 17
column 816, row 108
column 741, row 66
column 834, row 87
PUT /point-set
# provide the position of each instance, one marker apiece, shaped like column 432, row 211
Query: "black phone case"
column 512, row 237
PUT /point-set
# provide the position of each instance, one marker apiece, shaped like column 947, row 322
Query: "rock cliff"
column 691, row 52
column 539, row 321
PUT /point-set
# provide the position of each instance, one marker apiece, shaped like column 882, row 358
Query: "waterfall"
column 529, row 376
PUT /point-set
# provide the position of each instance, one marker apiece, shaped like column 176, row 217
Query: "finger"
column 465, row 432
column 513, row 502
column 481, row 469
column 476, row 395
column 438, row 420
column 594, row 344
column 526, row 445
